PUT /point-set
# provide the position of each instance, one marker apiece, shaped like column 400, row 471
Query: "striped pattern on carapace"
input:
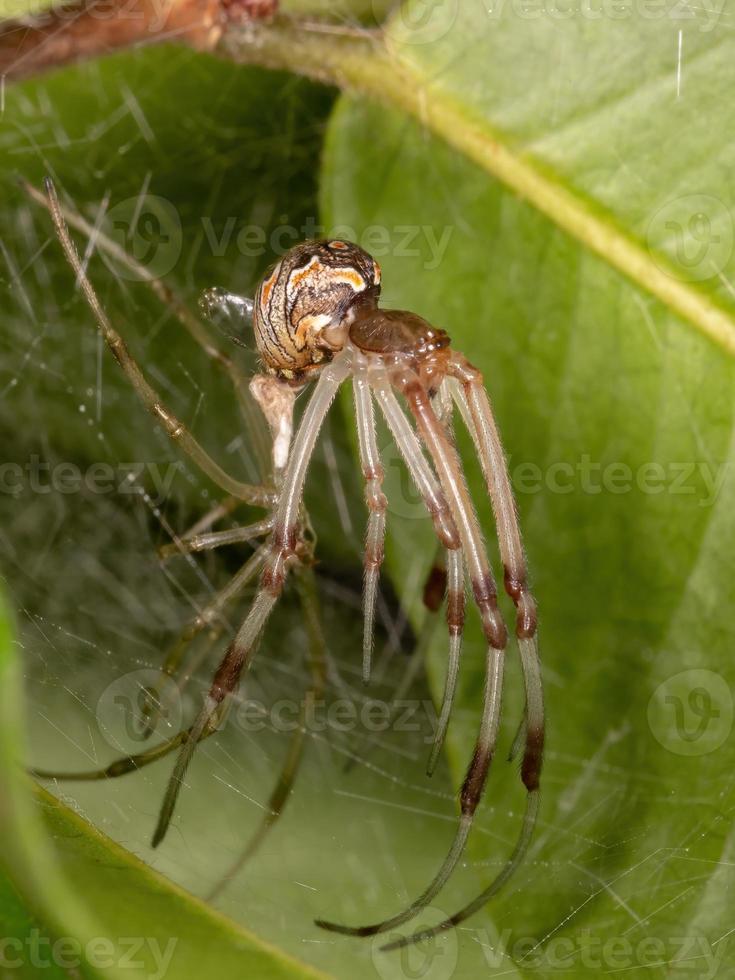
column 303, row 306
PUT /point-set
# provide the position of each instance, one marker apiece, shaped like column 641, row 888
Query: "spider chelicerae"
column 316, row 319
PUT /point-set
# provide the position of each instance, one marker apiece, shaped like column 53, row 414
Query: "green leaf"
column 94, row 905
column 617, row 416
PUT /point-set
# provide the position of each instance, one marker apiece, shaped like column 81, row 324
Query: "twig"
column 91, row 28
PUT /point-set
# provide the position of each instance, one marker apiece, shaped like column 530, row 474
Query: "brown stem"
column 91, row 28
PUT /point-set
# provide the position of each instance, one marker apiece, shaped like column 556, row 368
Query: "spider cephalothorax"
column 316, row 316
column 305, row 304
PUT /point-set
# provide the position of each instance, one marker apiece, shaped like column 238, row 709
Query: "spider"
column 316, row 319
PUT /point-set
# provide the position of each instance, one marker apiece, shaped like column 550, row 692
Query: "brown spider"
column 316, row 317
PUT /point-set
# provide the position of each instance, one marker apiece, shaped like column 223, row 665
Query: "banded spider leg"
column 201, row 537
column 469, row 394
column 457, row 527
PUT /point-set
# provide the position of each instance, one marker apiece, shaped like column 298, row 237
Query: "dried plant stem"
column 74, row 32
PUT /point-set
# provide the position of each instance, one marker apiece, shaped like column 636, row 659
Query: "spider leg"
column 258, row 496
column 435, row 587
column 195, row 540
column 454, row 585
column 281, row 544
column 276, row 401
column 448, row 467
column 421, row 473
column 168, row 297
column 375, row 537
column 518, row 739
column 276, row 802
column 433, row 596
column 474, row 405
column 446, row 528
column 451, row 578
column 220, row 510
column 120, row 767
column 308, row 597
column 455, row 623
column 507, row 872
column 131, row 763
column 372, row 469
column 208, row 616
column 208, row 540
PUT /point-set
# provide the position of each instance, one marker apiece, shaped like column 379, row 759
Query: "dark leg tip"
column 346, row 930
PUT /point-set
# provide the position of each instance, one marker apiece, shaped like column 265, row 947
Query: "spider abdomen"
column 304, row 305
